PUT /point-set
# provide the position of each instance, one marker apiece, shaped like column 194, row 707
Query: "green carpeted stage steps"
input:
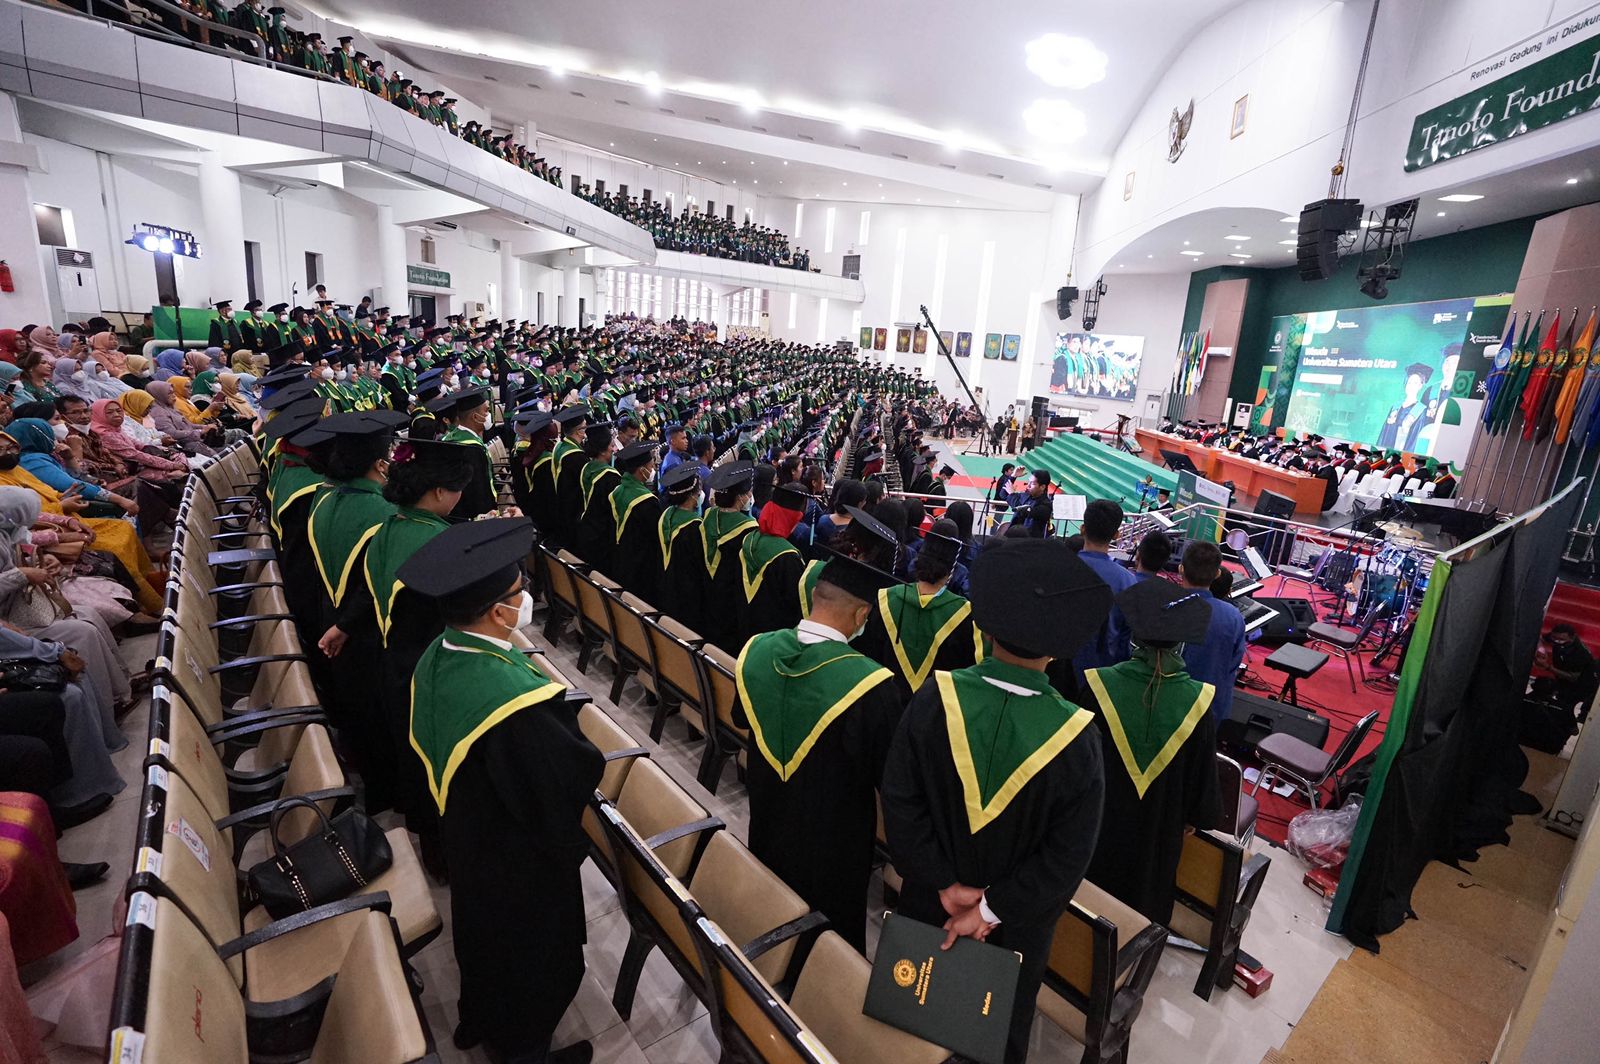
column 1081, row 465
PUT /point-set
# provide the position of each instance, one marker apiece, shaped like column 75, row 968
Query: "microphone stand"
column 983, row 429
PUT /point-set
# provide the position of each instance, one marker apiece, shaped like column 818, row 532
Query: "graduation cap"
column 294, row 418
column 224, row 305
column 289, row 393
column 426, row 450
column 287, row 373
column 634, row 455
column 278, row 308
column 532, row 422
column 733, row 476
column 566, row 417
column 346, row 40
column 1421, row 369
column 598, row 435
column 324, row 302
column 872, row 456
column 254, row 304
column 683, row 479
column 790, row 497
column 856, row 578
column 1037, row 595
column 449, row 100
column 1160, row 612
column 942, row 541
column 472, row 563
column 364, row 422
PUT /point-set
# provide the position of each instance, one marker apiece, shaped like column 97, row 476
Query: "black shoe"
column 577, row 1053
column 467, row 1036
column 71, row 816
column 83, row 875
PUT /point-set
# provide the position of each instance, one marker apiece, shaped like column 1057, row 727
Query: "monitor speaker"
column 1041, row 417
column 1065, row 297
column 1321, row 225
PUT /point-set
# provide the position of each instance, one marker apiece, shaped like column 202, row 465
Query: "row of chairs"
column 204, row 973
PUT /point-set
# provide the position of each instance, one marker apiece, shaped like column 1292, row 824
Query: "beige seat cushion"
column 294, row 963
column 1058, row 1011
column 371, row 1016
column 606, row 735
column 651, row 803
column 746, row 900
column 193, row 1014
column 1129, row 922
column 828, row 999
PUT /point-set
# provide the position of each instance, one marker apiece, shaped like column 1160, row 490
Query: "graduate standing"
column 595, row 538
column 636, row 516
column 1159, row 748
column 722, row 532
column 991, row 795
column 917, row 629
column 468, row 414
column 683, row 564
column 771, row 566
column 821, row 718
column 510, row 772
column 566, row 472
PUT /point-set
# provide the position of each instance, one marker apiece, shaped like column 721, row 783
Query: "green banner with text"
column 1538, row 93
column 427, row 275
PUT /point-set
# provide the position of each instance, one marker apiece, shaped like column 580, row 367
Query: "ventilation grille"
column 75, row 259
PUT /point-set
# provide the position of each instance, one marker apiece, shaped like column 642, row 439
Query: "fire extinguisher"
column 6, row 284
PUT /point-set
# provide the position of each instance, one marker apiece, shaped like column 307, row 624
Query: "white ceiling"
column 939, row 91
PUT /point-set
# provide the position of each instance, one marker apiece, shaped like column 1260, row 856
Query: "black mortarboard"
column 1159, row 611
column 346, row 40
column 226, row 303
column 278, row 308
column 254, row 304
column 533, row 421
column 569, row 416
column 942, row 541
column 1037, row 595
column 475, row 561
column 325, row 302
column 298, row 415
column 289, row 393
column 872, row 456
column 364, row 422
column 425, row 450
column 634, row 455
column 428, row 376
column 733, row 476
column 683, row 479
column 470, row 399
column 286, row 373
column 790, row 497
column 598, row 435
column 444, row 404
column 1421, row 369
column 865, row 522
column 857, row 578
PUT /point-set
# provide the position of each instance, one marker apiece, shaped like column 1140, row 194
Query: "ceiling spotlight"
column 1289, row 218
column 1195, row 254
column 613, row 144
column 1440, row 214
column 651, row 82
column 1185, row 243
column 1055, row 121
column 1460, row 197
column 1572, row 181
column 1289, row 243
column 786, row 162
column 1235, row 236
column 1149, row 256
column 1066, row 62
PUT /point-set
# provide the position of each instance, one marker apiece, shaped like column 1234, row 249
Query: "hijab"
column 196, row 362
column 101, row 382
column 243, row 361
column 32, row 435
column 10, row 345
column 100, row 418
column 205, row 383
column 137, row 366
column 229, row 394
column 169, row 363
column 182, row 403
column 19, row 511
column 161, row 391
column 9, row 372
column 136, row 405
column 64, row 377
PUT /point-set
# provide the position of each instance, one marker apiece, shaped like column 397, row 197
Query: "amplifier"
column 1295, row 616
column 1253, row 718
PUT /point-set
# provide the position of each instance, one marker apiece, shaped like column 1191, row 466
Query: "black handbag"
column 31, row 674
column 345, row 855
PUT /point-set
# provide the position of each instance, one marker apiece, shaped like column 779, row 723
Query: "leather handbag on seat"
column 344, row 855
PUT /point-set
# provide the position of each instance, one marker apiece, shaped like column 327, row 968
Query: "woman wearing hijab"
column 30, row 535
column 183, row 401
column 204, row 388
column 37, row 442
column 67, row 377
column 169, row 363
column 104, row 350
column 197, row 362
column 25, row 607
column 170, row 422
column 243, row 361
column 34, row 381
column 101, row 382
column 106, row 422
column 138, row 371
column 43, row 339
column 113, row 535
column 11, row 345
column 234, row 409
column 136, row 420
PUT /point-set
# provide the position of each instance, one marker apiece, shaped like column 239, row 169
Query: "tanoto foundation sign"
column 1551, row 79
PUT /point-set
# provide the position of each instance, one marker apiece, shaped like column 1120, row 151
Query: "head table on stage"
column 1249, row 476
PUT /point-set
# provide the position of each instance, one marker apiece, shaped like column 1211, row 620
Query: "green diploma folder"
column 960, row 998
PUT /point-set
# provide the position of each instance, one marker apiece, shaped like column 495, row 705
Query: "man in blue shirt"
column 678, row 451
column 1216, row 661
column 1101, row 519
column 702, row 449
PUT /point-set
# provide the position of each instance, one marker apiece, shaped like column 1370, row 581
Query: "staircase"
column 1081, row 465
column 1578, row 606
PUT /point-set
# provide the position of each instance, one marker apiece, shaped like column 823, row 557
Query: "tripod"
column 983, row 430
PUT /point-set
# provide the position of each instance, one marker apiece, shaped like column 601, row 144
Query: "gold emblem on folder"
column 905, row 973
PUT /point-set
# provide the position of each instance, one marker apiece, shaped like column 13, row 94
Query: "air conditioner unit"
column 74, row 286
column 472, row 309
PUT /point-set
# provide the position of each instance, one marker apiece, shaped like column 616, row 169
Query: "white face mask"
column 342, row 374
column 259, row 314
column 524, row 610
column 327, row 374
column 60, row 431
column 411, row 363
column 78, row 375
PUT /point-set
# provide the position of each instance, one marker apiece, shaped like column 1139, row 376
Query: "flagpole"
column 1583, row 507
column 1526, row 462
column 1543, row 464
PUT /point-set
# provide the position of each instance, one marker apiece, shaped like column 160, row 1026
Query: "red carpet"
column 1327, row 693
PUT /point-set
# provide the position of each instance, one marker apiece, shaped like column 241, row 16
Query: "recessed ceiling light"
column 919, row 199
column 755, row 181
column 1288, row 218
column 1195, row 254
column 612, row 144
column 651, row 82
column 1440, row 214
column 1122, row 266
column 786, row 162
column 1235, row 236
column 1572, row 181
column 1459, row 197
column 697, row 162
column 752, row 162
column 1066, row 62
column 1149, row 256
column 1237, row 255
column 724, row 162
column 1185, row 243
column 1289, row 243
column 1055, row 121
column 846, row 184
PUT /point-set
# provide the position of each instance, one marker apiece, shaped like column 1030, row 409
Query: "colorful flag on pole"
column 1511, row 394
column 1579, row 376
column 1545, row 419
column 1503, row 364
column 1200, row 360
column 1539, row 379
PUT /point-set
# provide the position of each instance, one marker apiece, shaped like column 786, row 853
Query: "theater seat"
column 828, row 999
column 371, row 1015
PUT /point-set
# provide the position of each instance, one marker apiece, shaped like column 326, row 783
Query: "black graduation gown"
column 817, row 830
column 514, row 846
column 541, row 507
column 224, row 334
column 414, row 623
column 595, row 538
column 723, row 603
column 1031, row 858
column 569, row 495
column 1141, row 840
column 683, row 580
column 956, row 652
column 638, row 553
column 776, row 604
column 366, row 731
column 301, row 584
column 478, row 497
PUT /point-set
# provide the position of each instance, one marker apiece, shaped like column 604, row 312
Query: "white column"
column 510, row 284
column 571, row 288
column 19, row 235
column 222, row 215
column 393, row 290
